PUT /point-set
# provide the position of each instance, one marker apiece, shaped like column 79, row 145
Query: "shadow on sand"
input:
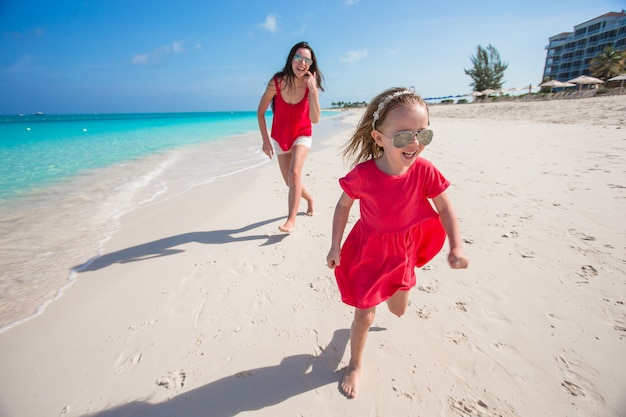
column 251, row 389
column 167, row 246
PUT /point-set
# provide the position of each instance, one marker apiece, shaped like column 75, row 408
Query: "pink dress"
column 398, row 230
column 290, row 121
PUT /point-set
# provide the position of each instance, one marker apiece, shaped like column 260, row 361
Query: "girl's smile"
column 396, row 161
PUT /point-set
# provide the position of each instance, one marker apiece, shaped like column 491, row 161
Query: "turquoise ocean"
column 66, row 180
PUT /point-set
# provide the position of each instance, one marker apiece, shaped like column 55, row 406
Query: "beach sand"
column 200, row 307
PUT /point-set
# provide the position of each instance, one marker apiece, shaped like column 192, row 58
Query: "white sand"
column 201, row 308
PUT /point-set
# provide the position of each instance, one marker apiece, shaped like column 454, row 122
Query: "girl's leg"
column 291, row 165
column 398, row 302
column 363, row 319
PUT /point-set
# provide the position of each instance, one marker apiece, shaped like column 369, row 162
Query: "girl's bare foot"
column 349, row 381
column 309, row 210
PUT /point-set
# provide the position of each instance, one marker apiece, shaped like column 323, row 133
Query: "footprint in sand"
column 455, row 337
column 525, row 253
column 174, row 381
column 581, row 235
column 503, row 346
column 126, row 361
column 585, row 273
column 401, row 393
column 572, row 389
column 423, row 313
column 488, row 407
column 578, row 378
column 617, row 317
column 428, row 288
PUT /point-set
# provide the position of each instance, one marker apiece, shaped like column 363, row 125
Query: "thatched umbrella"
column 585, row 79
column 621, row 78
column 556, row 83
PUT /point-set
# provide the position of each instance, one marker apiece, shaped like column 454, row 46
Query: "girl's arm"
column 315, row 110
column 456, row 258
column 266, row 99
column 340, row 219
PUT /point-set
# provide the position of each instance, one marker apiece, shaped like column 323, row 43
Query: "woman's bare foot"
column 309, row 210
column 287, row 227
column 349, row 382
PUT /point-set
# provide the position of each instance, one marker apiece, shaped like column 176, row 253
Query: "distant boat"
column 38, row 113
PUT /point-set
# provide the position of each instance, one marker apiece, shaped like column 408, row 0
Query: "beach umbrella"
column 621, row 78
column 556, row 83
column 527, row 87
column 585, row 79
column 476, row 93
column 513, row 89
column 488, row 91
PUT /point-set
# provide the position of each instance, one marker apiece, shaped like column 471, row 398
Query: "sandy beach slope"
column 200, row 307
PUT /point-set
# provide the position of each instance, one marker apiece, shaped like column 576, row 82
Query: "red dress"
column 290, row 121
column 398, row 230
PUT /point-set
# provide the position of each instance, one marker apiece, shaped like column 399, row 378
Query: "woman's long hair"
column 287, row 74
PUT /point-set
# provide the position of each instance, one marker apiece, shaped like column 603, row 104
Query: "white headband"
column 384, row 102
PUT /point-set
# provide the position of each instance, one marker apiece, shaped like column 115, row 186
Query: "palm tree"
column 608, row 63
column 488, row 70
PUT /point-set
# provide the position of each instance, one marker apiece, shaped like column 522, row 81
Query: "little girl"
column 398, row 229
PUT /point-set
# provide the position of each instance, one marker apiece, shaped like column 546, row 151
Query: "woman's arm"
column 315, row 111
column 266, row 99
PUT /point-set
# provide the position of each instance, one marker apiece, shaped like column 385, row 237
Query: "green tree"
column 608, row 63
column 488, row 70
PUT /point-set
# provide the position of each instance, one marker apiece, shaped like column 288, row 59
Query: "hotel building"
column 569, row 53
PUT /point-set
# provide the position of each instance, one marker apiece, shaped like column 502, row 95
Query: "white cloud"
column 25, row 63
column 269, row 24
column 354, row 56
column 139, row 59
column 173, row 48
column 177, row 47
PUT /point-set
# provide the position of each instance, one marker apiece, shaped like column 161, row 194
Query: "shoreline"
column 198, row 307
column 84, row 212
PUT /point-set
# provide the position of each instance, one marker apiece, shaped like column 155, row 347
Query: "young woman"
column 293, row 93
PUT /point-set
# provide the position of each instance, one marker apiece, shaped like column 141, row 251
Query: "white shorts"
column 302, row 140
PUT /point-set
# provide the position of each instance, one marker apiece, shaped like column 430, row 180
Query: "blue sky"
column 109, row 56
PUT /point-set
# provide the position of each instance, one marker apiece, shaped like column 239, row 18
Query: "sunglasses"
column 405, row 137
column 300, row 58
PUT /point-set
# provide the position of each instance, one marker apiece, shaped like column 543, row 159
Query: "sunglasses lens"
column 300, row 58
column 425, row 137
column 401, row 139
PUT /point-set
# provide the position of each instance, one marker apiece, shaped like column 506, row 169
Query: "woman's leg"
column 363, row 319
column 291, row 165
